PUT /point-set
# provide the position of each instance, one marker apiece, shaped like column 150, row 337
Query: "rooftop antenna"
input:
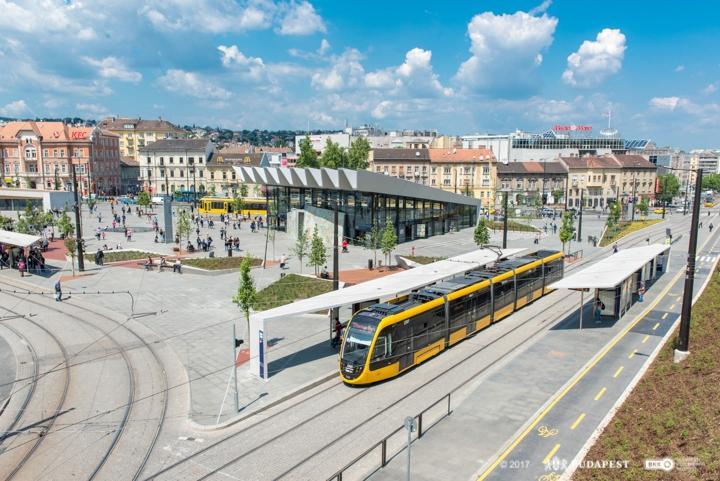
column 609, row 131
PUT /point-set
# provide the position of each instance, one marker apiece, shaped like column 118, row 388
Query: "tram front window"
column 357, row 343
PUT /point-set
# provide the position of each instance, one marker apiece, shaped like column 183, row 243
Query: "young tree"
column 71, row 246
column 238, row 204
column 614, row 214
column 308, row 157
column 669, row 187
column 6, row 223
column 243, row 190
column 388, row 241
column 357, row 156
column 143, row 199
column 333, row 156
column 557, row 195
column 302, row 244
column 566, row 228
column 212, row 191
column 318, row 251
column 246, row 294
column 184, row 228
column 643, row 207
column 65, row 225
column 481, row 235
column 372, row 241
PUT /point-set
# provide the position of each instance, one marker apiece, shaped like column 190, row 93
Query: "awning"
column 613, row 270
column 17, row 239
column 391, row 285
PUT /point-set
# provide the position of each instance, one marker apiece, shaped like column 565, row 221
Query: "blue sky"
column 459, row 67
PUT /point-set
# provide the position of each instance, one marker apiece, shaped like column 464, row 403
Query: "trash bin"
column 211, row 254
column 370, row 264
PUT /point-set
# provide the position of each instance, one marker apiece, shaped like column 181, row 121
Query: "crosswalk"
column 706, row 258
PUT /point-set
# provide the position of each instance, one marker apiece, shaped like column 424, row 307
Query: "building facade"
column 533, row 183
column 221, row 177
column 129, row 176
column 138, row 133
column 174, row 165
column 39, row 155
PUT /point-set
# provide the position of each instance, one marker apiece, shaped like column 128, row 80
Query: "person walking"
column 710, row 227
column 21, row 266
column 337, row 339
column 615, row 248
column 58, row 291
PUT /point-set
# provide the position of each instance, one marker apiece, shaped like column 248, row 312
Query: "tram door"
column 402, row 343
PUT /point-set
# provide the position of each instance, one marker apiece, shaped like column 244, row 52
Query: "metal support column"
column 78, row 227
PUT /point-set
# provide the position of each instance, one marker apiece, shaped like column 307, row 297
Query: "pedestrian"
column 598, row 308
column 129, row 235
column 58, row 291
column 252, row 226
column 283, row 261
column 648, row 241
column 177, row 266
column 344, row 245
column 710, row 227
column 338, row 334
column 615, row 248
column 641, row 292
column 21, row 266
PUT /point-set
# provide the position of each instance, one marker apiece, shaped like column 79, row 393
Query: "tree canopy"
column 481, row 235
column 308, row 157
column 669, row 187
column 711, row 182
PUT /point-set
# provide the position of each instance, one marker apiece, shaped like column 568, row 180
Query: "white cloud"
column 323, row 118
column 251, row 67
column 345, row 72
column 319, row 54
column 15, row 108
column 192, row 84
column 301, row 19
column 542, row 8
column 381, row 110
column 711, row 88
column 414, row 77
column 666, row 103
column 680, row 68
column 324, row 47
column 111, row 67
column 596, row 60
column 92, row 110
column 209, row 15
column 505, row 51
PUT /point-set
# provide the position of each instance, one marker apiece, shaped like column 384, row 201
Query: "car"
column 659, row 210
column 680, row 210
column 158, row 200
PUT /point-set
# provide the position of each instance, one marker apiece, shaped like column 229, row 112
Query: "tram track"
column 630, row 240
column 118, row 349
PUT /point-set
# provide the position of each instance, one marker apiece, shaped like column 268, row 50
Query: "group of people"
column 33, row 261
column 176, row 266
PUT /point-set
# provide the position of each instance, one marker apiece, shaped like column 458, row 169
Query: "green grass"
column 424, row 259
column 625, row 228
column 115, row 256
column 289, row 289
column 220, row 263
column 511, row 225
column 673, row 411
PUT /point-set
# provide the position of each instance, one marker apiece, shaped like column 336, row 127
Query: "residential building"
column 172, row 165
column 660, row 156
column 220, row 177
column 532, row 183
column 129, row 175
column 319, row 141
column 38, row 155
column 707, row 160
column 138, row 133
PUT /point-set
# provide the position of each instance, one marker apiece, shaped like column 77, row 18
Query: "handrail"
column 338, row 476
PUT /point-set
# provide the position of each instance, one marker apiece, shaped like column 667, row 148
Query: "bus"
column 186, row 196
column 251, row 206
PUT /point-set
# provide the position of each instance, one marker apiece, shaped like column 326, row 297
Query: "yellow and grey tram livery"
column 251, row 206
column 385, row 339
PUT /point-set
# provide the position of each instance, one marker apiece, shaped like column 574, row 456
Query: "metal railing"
column 574, row 256
column 383, row 444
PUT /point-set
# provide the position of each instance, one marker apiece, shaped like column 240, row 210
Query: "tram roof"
column 348, row 180
column 393, row 284
column 17, row 239
column 613, row 270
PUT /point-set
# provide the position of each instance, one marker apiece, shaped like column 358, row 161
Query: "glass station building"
column 416, row 211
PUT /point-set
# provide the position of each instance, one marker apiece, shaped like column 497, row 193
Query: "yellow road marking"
column 599, row 395
column 578, row 377
column 657, row 324
column 632, row 354
column 664, row 316
column 577, row 421
column 647, row 336
column 551, row 454
column 619, row 370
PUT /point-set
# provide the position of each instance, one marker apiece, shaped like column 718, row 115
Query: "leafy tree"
column 318, row 251
column 308, row 157
column 372, row 240
column 65, row 225
column 481, row 235
column 71, row 246
column 357, row 155
column 614, row 214
column 643, row 207
column 566, row 228
column 6, row 223
column 243, row 190
column 302, row 244
column 184, row 228
column 212, row 191
column 669, row 187
column 558, row 194
column 333, row 156
column 238, row 204
column 143, row 199
column 711, row 182
column 246, row 294
column 520, row 199
column 388, row 241
column 34, row 220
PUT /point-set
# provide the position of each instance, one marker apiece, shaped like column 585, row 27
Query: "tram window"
column 218, row 205
column 482, row 304
column 382, row 348
column 460, row 310
column 504, row 293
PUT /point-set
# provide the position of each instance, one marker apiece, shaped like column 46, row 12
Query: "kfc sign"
column 572, row 128
column 78, row 135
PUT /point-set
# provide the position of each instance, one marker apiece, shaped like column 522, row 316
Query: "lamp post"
column 78, row 228
column 579, row 237
column 634, row 199
column 505, row 219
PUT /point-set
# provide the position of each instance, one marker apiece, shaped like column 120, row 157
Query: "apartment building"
column 533, row 183
column 173, row 165
column 136, row 134
column 39, row 155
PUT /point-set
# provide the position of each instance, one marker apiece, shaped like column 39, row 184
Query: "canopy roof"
column 613, row 270
column 17, row 239
column 391, row 285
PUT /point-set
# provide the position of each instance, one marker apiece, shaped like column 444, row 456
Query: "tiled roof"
column 129, row 162
column 461, row 155
column 418, row 155
column 591, row 162
column 48, row 131
column 634, row 161
column 177, row 145
column 119, row 123
column 551, row 168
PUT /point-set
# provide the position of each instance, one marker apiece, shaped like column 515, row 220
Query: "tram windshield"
column 359, row 336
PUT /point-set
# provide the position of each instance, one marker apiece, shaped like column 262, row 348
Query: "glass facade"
column 413, row 218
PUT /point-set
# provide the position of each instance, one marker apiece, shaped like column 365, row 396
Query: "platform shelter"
column 616, row 281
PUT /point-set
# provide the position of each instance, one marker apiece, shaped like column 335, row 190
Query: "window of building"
column 162, row 161
column 149, row 173
column 224, row 175
column 446, row 182
column 446, row 170
column 45, row 152
column 30, row 153
column 148, row 160
column 180, row 159
column 433, row 170
column 62, row 152
column 191, row 160
column 467, row 170
column 486, row 170
column 212, row 175
column 182, row 173
column 64, row 168
column 171, row 160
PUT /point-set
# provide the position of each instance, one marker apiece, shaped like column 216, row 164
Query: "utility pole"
column 681, row 352
column 579, row 236
column 505, row 219
column 336, row 262
column 78, row 228
column 687, row 187
column 235, row 346
column 664, row 201
column 632, row 217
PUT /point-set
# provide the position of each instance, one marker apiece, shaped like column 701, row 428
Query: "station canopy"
column 17, row 239
column 611, row 271
column 393, row 284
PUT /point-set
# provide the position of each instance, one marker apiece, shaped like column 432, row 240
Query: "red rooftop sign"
column 78, row 134
column 572, row 128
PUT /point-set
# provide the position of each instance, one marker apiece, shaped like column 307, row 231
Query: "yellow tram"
column 251, row 206
column 385, row 339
